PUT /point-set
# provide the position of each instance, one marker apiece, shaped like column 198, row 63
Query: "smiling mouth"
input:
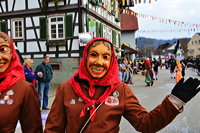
column 2, row 64
column 97, row 70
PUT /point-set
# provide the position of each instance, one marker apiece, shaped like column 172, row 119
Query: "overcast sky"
column 187, row 11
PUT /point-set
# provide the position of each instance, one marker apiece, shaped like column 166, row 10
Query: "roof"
column 128, row 49
column 184, row 43
column 128, row 21
column 164, row 46
column 198, row 34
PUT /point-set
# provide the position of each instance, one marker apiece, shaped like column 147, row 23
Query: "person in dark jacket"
column 44, row 82
column 172, row 65
column 155, row 68
column 29, row 74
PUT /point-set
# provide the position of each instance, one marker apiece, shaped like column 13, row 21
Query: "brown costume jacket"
column 22, row 105
column 66, row 108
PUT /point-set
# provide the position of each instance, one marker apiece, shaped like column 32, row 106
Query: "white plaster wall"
column 43, row 45
column 32, row 47
column 19, row 4
column 32, row 4
column 128, row 37
column 35, row 20
column 20, row 46
column 62, row 48
column 52, row 48
column 30, row 34
column 75, row 45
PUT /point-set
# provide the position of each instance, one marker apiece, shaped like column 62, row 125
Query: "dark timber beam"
column 38, row 12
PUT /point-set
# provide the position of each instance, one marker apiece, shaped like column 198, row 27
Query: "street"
column 186, row 122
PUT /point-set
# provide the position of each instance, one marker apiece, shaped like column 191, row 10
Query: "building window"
column 117, row 40
column 17, row 28
column 192, row 52
column 56, row 67
column 109, row 34
column 104, row 31
column 56, row 28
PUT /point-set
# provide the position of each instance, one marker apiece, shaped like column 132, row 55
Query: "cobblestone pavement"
column 150, row 97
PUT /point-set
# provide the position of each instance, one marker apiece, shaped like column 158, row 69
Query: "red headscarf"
column 111, row 79
column 15, row 70
column 147, row 61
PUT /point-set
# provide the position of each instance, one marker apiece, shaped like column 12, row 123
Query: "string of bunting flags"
column 161, row 20
column 168, row 30
column 129, row 3
column 192, row 27
column 123, row 4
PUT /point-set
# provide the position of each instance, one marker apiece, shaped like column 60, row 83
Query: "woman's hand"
column 40, row 74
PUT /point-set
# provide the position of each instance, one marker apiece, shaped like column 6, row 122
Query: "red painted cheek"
column 105, row 65
column 91, row 62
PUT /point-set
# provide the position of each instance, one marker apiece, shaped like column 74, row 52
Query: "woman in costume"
column 178, row 71
column 94, row 99
column 149, row 73
column 18, row 98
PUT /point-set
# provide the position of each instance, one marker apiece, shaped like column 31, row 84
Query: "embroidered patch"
column 112, row 101
column 79, row 99
column 2, row 101
column 10, row 101
column 116, row 94
column 73, row 101
column 10, row 93
column 6, row 97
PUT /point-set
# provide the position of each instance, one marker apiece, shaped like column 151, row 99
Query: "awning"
column 128, row 50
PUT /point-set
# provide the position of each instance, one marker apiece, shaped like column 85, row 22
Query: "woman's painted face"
column 5, row 54
column 99, row 58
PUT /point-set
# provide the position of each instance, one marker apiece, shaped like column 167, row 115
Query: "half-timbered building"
column 52, row 27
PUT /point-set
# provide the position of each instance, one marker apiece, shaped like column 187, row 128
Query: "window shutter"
column 114, row 37
column 87, row 24
column 43, row 28
column 93, row 2
column 69, row 26
column 113, row 7
column 101, row 30
column 119, row 37
column 3, row 26
column 0, row 25
column 97, row 29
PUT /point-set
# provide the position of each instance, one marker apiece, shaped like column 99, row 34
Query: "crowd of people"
column 147, row 67
column 150, row 68
column 93, row 100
